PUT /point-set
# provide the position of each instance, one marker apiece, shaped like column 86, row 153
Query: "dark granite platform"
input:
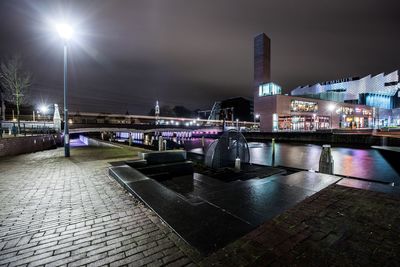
column 388, row 148
column 371, row 186
column 209, row 213
column 391, row 155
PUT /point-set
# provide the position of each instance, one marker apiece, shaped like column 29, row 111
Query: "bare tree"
column 2, row 104
column 2, row 110
column 15, row 83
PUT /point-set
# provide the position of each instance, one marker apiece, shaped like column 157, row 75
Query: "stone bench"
column 160, row 157
column 162, row 165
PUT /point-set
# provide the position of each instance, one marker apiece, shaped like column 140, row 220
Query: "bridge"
column 85, row 122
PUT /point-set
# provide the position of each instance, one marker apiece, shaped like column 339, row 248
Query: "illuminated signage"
column 351, row 111
column 303, row 106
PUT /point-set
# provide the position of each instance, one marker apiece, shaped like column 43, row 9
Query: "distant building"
column 238, row 108
column 290, row 113
column 262, row 60
column 231, row 109
column 346, row 103
column 380, row 91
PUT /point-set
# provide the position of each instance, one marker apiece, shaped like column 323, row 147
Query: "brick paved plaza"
column 59, row 211
column 68, row 212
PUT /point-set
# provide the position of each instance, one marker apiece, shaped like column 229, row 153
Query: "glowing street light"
column 43, row 109
column 65, row 32
column 331, row 108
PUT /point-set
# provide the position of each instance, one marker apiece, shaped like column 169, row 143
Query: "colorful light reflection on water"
column 353, row 162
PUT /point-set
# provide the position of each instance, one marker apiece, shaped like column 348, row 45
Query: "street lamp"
column 331, row 107
column 65, row 32
column 43, row 109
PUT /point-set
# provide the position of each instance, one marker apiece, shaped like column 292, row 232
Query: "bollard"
column 326, row 160
column 273, row 153
column 14, row 130
column 165, row 145
column 130, row 139
column 160, row 143
column 237, row 164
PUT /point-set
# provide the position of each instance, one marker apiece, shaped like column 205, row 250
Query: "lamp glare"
column 65, row 31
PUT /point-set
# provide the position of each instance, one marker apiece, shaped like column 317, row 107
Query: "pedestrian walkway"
column 338, row 226
column 57, row 211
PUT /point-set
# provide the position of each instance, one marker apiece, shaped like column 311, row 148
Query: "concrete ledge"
column 160, row 157
column 94, row 142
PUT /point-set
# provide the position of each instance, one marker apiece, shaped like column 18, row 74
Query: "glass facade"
column 269, row 89
column 379, row 101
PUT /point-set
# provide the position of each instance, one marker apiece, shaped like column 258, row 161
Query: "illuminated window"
column 269, row 89
column 303, row 106
column 274, row 122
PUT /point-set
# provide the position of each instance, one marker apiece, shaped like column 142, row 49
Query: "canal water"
column 355, row 162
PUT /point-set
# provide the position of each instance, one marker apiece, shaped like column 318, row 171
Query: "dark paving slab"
column 308, row 180
column 391, row 154
column 247, row 172
column 210, row 213
column 388, row 189
column 258, row 202
column 338, row 226
column 204, row 226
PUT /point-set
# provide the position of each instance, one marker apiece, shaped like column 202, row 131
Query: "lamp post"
column 43, row 110
column 331, row 107
column 65, row 32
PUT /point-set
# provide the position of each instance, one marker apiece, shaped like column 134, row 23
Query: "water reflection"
column 354, row 162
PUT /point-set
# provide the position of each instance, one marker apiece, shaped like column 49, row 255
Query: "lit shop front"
column 355, row 117
column 288, row 113
column 302, row 123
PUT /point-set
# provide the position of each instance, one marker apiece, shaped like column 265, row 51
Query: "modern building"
column 379, row 91
column 347, row 103
column 290, row 113
column 262, row 74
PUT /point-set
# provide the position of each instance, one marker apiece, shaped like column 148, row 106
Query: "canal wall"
column 359, row 139
column 95, row 142
column 27, row 144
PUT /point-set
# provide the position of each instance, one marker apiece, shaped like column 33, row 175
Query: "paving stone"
column 69, row 212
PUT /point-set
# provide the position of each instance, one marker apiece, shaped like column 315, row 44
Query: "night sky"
column 128, row 54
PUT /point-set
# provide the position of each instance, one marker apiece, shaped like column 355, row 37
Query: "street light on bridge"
column 65, row 32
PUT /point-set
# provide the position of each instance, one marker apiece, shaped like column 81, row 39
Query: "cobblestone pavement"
column 56, row 211
column 339, row 226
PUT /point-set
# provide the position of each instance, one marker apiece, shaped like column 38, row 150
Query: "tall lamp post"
column 331, row 107
column 65, row 32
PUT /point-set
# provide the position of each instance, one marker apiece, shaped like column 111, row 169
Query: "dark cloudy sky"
column 128, row 54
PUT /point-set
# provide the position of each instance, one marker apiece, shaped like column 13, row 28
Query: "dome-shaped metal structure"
column 223, row 152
